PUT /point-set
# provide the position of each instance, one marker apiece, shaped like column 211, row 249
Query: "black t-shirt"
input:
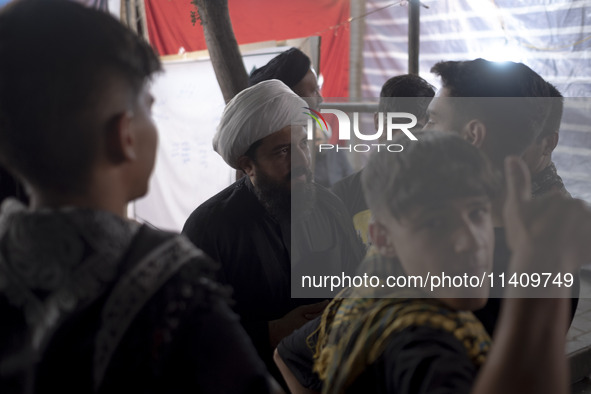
column 417, row 360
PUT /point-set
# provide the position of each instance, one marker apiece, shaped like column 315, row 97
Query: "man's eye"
column 480, row 213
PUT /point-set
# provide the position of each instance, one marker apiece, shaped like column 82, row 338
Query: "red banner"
column 170, row 28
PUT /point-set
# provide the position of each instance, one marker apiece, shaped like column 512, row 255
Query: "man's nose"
column 320, row 98
column 300, row 156
column 466, row 238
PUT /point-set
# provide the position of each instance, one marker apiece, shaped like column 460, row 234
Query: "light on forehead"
column 443, row 92
column 320, row 79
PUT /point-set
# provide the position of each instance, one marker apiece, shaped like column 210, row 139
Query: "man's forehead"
column 443, row 92
column 285, row 135
column 298, row 132
column 447, row 206
column 441, row 104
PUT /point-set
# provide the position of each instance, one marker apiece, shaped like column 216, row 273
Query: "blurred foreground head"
column 73, row 93
column 432, row 209
column 438, row 167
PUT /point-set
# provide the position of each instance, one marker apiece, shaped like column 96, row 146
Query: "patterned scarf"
column 354, row 332
column 546, row 181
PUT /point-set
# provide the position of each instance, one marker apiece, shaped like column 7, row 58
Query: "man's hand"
column 280, row 328
column 554, row 232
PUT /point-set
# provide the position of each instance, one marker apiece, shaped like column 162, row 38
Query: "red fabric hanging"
column 170, row 28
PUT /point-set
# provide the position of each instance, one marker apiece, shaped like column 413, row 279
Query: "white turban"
column 255, row 113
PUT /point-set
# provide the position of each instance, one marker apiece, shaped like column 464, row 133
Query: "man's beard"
column 282, row 203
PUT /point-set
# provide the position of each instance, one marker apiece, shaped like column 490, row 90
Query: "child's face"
column 454, row 237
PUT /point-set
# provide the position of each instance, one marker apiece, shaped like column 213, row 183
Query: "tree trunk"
column 222, row 46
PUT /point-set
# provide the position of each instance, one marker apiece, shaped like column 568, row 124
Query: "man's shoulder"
column 231, row 197
column 228, row 206
column 349, row 190
column 327, row 197
column 352, row 181
column 331, row 205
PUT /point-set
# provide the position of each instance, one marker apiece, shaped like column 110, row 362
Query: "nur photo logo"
column 317, row 116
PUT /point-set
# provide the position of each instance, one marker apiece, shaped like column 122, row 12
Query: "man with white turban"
column 294, row 69
column 248, row 227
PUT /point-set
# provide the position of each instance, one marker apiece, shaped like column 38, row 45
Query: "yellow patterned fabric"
column 361, row 222
column 354, row 332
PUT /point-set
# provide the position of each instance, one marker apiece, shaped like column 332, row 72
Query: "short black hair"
column 554, row 118
column 290, row 67
column 439, row 166
column 395, row 93
column 515, row 120
column 484, row 78
column 58, row 60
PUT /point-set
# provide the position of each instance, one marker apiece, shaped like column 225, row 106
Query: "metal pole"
column 414, row 12
column 357, row 27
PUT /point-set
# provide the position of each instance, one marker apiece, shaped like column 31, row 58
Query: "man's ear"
column 550, row 141
column 120, row 138
column 474, row 132
column 246, row 164
column 380, row 239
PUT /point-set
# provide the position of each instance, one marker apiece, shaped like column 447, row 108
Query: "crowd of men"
column 93, row 302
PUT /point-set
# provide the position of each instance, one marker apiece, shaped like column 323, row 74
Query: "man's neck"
column 539, row 167
column 54, row 200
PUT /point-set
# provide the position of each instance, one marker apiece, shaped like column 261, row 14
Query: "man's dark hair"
column 512, row 122
column 483, row 78
column 395, row 93
column 438, row 167
column 289, row 67
column 554, row 118
column 59, row 59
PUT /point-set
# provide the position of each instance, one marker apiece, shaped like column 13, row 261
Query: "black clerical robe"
column 256, row 251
